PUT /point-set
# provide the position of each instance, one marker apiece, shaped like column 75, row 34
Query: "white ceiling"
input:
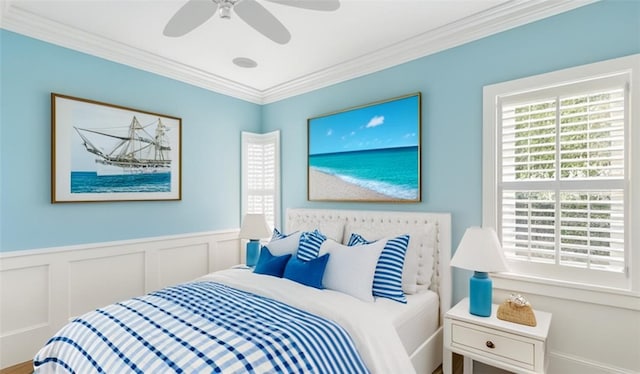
column 361, row 37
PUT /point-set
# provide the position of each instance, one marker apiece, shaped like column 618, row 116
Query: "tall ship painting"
column 139, row 151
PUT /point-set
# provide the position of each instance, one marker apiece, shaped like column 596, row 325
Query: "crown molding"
column 35, row 26
column 495, row 20
column 504, row 17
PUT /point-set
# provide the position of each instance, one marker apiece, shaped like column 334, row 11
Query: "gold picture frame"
column 370, row 153
column 103, row 152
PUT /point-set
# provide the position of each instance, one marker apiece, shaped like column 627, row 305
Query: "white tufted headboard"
column 335, row 224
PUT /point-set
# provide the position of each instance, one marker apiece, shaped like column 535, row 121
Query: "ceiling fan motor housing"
column 225, row 6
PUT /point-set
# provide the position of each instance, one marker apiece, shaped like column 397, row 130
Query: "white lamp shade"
column 254, row 226
column 480, row 250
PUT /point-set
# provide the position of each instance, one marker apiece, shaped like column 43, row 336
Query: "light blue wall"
column 211, row 125
column 451, row 83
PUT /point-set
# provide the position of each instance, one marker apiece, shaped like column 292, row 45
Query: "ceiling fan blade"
column 192, row 14
column 258, row 17
column 324, row 5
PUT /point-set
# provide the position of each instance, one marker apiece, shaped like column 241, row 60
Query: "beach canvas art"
column 368, row 153
column 105, row 152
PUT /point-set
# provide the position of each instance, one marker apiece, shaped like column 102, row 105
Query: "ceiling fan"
column 196, row 12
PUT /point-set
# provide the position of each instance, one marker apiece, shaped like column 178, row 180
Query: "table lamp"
column 480, row 251
column 254, row 227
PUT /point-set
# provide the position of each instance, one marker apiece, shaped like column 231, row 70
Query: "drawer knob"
column 490, row 344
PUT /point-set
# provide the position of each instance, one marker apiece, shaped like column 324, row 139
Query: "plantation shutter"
column 562, row 175
column 261, row 175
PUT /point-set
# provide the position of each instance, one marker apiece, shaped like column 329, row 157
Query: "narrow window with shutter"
column 558, row 177
column 261, row 175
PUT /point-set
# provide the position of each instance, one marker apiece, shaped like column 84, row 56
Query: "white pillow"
column 351, row 269
column 418, row 262
column 285, row 246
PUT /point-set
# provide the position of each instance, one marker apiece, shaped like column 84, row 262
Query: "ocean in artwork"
column 389, row 171
column 90, row 182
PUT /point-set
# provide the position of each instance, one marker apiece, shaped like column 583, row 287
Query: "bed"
column 237, row 320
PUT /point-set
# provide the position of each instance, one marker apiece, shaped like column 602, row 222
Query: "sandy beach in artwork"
column 323, row 186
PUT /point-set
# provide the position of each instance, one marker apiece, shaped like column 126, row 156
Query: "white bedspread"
column 372, row 332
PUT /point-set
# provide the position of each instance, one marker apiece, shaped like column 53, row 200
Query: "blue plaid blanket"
column 200, row 327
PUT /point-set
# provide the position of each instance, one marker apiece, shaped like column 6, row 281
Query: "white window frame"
column 249, row 138
column 532, row 277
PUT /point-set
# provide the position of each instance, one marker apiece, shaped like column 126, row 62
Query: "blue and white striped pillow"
column 277, row 235
column 357, row 239
column 310, row 243
column 387, row 280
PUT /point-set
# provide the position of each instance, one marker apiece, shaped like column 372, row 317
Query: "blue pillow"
column 387, row 280
column 309, row 245
column 309, row 273
column 269, row 264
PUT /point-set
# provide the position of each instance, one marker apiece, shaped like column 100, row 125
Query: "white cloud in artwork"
column 375, row 121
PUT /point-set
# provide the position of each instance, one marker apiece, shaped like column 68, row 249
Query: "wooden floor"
column 27, row 367
column 23, row 368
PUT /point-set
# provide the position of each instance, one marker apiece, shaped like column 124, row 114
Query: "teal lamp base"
column 480, row 294
column 253, row 251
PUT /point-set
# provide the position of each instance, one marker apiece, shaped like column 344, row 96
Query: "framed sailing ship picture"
column 105, row 152
column 370, row 153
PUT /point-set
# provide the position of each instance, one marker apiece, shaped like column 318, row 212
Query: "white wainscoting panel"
column 42, row 289
column 24, row 289
column 177, row 265
column 105, row 280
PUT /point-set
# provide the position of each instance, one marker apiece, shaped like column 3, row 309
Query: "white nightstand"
column 502, row 344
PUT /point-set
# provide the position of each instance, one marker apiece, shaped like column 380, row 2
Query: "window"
column 557, row 172
column 261, row 175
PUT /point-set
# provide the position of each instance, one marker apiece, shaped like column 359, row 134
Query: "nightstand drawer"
column 486, row 340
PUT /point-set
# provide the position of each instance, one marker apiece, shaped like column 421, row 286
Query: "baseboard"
column 43, row 289
column 560, row 362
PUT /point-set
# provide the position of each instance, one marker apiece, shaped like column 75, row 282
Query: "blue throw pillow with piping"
column 269, row 264
column 309, row 273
